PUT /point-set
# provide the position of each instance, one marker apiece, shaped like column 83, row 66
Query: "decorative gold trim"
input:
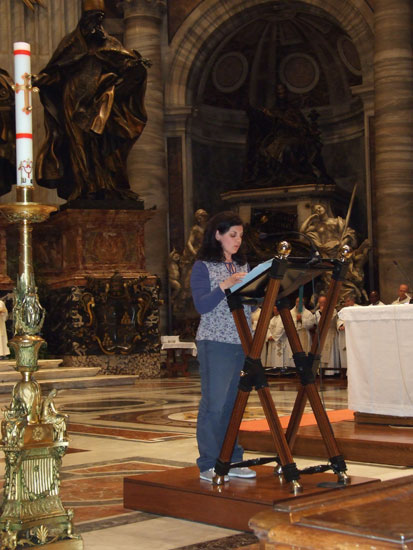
column 29, row 211
column 34, row 438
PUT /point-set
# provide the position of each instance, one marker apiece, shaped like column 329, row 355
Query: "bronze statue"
column 283, row 147
column 174, row 273
column 180, row 267
column 7, row 134
column 354, row 283
column 92, row 91
column 196, row 235
column 327, row 233
column 50, row 415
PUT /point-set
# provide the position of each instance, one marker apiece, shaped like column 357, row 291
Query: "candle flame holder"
column 34, row 437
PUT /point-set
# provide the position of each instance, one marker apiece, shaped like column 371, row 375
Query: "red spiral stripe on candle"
column 22, row 136
column 21, row 52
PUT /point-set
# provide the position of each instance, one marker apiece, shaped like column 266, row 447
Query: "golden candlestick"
column 33, row 432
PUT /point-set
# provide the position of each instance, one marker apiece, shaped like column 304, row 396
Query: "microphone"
column 315, row 259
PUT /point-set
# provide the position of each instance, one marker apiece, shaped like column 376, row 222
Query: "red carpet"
column 308, row 419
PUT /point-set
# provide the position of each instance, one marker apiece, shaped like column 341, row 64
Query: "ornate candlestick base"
column 33, row 432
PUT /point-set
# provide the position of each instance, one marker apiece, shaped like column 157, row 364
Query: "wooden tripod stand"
column 253, row 375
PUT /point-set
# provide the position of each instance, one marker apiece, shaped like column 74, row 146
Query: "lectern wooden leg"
column 274, row 423
column 295, row 418
column 303, row 364
column 256, row 376
column 338, row 276
column 232, row 432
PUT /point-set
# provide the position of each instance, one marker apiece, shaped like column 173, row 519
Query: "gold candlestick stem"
column 33, row 432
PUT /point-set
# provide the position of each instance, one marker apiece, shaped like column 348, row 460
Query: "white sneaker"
column 242, row 472
column 208, row 475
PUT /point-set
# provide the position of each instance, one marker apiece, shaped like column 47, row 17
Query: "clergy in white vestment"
column 4, row 348
column 350, row 301
column 374, row 299
column 277, row 352
column 403, row 297
column 304, row 321
column 329, row 353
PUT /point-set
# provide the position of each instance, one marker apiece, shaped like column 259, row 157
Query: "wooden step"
column 358, row 442
column 376, row 516
column 180, row 493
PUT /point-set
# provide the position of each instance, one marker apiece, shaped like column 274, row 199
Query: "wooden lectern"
column 274, row 280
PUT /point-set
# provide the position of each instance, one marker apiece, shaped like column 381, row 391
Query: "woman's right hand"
column 232, row 280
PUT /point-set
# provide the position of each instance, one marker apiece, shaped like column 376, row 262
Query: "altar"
column 379, row 363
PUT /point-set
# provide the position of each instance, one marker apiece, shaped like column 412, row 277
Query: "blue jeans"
column 220, row 366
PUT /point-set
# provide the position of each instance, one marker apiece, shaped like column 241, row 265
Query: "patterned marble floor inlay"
column 137, row 435
column 234, row 541
column 99, row 405
column 95, row 489
column 118, row 431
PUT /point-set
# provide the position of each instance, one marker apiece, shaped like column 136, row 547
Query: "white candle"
column 23, row 98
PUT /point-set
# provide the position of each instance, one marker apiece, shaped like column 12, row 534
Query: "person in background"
column 329, row 353
column 403, row 297
column 304, row 322
column 374, row 299
column 4, row 348
column 277, row 343
column 220, row 265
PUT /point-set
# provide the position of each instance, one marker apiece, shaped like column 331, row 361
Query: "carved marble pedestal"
column 76, row 244
column 102, row 305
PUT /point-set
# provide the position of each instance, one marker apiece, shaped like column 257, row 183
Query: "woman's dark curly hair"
column 211, row 249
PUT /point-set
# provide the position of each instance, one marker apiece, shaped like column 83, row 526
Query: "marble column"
column 147, row 160
column 393, row 193
column 181, row 215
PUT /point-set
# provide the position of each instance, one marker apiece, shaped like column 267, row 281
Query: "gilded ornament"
column 283, row 249
column 33, row 432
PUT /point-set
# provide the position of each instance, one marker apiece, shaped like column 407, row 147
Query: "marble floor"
column 122, row 430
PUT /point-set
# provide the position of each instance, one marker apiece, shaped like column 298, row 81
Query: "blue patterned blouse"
column 217, row 323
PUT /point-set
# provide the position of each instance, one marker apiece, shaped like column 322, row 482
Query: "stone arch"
column 212, row 21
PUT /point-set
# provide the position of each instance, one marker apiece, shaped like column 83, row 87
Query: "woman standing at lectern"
column 220, row 265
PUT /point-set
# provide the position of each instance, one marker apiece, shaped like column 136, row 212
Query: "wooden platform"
column 180, row 493
column 377, row 516
column 359, row 442
column 386, row 419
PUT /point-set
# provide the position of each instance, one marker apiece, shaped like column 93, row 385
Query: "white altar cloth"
column 173, row 342
column 379, row 342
